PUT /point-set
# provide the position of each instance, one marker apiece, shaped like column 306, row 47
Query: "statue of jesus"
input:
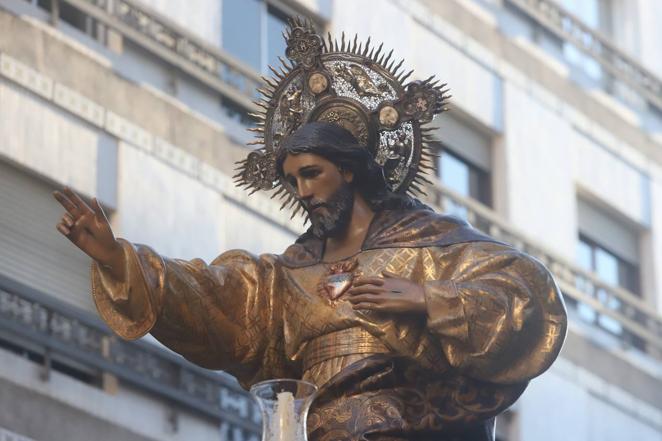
column 413, row 325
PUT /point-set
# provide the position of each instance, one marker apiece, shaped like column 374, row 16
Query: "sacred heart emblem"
column 337, row 284
column 338, row 280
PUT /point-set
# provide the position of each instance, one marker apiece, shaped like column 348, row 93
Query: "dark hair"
column 338, row 145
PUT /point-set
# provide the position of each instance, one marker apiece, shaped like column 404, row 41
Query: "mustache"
column 312, row 205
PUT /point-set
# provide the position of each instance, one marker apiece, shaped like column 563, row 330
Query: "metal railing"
column 176, row 46
column 551, row 16
column 641, row 325
column 58, row 330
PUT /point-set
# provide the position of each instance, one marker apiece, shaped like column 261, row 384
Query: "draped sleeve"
column 496, row 312
column 224, row 315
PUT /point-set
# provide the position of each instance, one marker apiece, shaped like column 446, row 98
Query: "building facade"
column 553, row 143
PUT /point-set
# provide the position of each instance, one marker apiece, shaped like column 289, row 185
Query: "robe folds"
column 495, row 320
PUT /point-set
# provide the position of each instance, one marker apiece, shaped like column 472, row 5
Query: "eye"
column 292, row 182
column 310, row 173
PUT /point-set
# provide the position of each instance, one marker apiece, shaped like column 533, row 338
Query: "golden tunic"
column 494, row 320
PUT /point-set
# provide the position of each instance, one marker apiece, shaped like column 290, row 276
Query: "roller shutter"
column 32, row 251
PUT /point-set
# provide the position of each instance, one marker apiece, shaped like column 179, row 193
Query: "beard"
column 334, row 220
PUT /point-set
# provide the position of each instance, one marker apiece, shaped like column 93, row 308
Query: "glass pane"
column 588, row 11
column 606, row 266
column 454, row 209
column 584, row 253
column 276, row 24
column 586, row 313
column 628, row 276
column 241, row 30
column 585, row 261
column 479, row 186
column 454, row 173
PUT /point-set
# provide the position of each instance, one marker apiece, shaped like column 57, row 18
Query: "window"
column 611, row 269
column 607, row 265
column 609, row 249
column 72, row 16
column 463, row 177
column 253, row 32
column 464, row 162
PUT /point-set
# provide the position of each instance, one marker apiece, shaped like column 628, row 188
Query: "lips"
column 315, row 207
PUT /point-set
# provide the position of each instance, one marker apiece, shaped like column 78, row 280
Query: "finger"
column 371, row 298
column 390, row 275
column 68, row 220
column 98, row 210
column 66, row 203
column 63, row 229
column 377, row 281
column 77, row 201
column 366, row 305
column 366, row 289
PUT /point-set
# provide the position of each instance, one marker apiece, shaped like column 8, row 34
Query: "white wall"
column 555, row 407
column 539, row 172
column 47, row 140
column 653, row 245
column 181, row 217
column 650, row 33
column 201, row 17
column 475, row 88
column 611, row 179
column 166, row 209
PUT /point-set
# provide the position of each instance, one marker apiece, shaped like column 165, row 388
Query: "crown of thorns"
column 356, row 86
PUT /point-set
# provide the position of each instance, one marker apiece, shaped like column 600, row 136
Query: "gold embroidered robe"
column 495, row 320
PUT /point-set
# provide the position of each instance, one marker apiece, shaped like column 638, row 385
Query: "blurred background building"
column 553, row 143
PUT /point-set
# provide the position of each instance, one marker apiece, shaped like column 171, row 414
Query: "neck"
column 350, row 241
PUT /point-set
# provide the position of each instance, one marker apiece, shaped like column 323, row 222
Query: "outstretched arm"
column 224, row 315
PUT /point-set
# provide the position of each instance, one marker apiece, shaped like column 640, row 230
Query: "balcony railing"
column 563, row 24
column 641, row 325
column 58, row 331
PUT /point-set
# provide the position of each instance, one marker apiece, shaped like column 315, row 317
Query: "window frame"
column 634, row 277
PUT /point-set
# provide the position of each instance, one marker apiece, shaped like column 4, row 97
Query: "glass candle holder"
column 284, row 404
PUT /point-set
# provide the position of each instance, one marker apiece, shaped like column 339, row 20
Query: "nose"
column 304, row 190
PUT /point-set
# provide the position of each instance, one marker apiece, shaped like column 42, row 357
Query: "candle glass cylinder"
column 284, row 404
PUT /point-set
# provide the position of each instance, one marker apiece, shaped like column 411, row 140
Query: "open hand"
column 88, row 228
column 390, row 293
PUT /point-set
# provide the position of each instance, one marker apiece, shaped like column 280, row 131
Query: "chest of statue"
column 316, row 302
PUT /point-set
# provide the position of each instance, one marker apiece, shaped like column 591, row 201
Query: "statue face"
column 325, row 191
